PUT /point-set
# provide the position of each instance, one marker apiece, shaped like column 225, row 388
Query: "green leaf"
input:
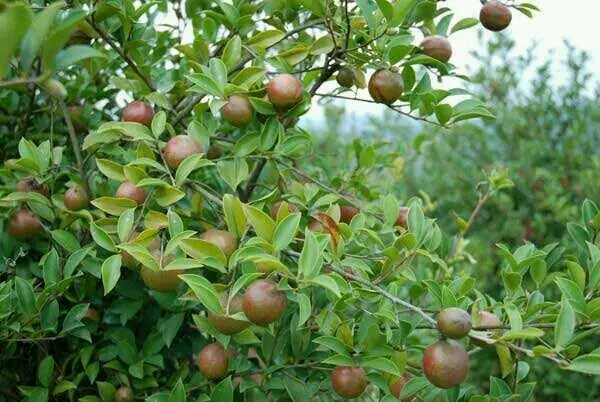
column 113, row 206
column 265, row 39
column 526, row 333
column 168, row 329
column 381, row 364
column 204, row 251
column 248, row 76
column 261, row 106
column 66, row 240
column 159, row 123
column 305, row 309
column 333, row 344
column 401, row 10
column 51, row 273
column 37, row 33
column 565, row 325
column 233, row 171
column 311, row 260
column 25, row 296
column 74, row 54
column 188, row 165
column 232, row 52
column 125, row 224
column 15, row 20
column 178, row 392
column 106, row 390
column 111, row 272
column 386, row 9
column 286, row 230
column 573, row 293
column 205, row 84
column 235, row 218
column 297, row 389
column 589, row 364
column 45, row 372
column 262, row 223
column 223, row 392
column 204, row 291
column 102, row 238
column 242, row 281
column 464, row 24
column 327, row 282
column 323, row 45
column 168, row 195
column 415, row 385
column 141, row 254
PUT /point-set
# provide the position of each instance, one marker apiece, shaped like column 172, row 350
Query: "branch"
column 247, row 192
column 480, row 202
column 24, row 81
column 76, row 148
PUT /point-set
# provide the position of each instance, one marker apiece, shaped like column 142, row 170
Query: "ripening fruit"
column 76, row 198
column 397, row 386
column 454, row 322
column 92, row 314
column 222, row 239
column 445, row 364
column 237, row 111
column 54, row 88
column 138, row 112
column 345, row 77
column 495, row 16
column 290, row 208
column 180, row 147
column 385, row 86
column 129, row 190
column 225, row 324
column 438, row 47
column 29, row 183
column 24, row 225
column 212, row 361
column 316, row 226
column 347, row 212
column 124, row 394
column 263, row 303
column 349, row 382
column 284, row 91
column 402, row 219
column 485, row 320
column 161, row 280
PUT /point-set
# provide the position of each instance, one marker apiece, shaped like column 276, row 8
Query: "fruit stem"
column 76, row 148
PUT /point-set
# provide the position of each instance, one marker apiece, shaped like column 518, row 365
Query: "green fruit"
column 180, row 147
column 454, row 323
column 349, row 382
column 76, row 198
column 129, row 190
column 212, row 361
column 138, row 112
column 495, row 16
column 438, row 47
column 237, row 111
column 385, row 86
column 445, row 364
column 222, row 239
column 263, row 303
column 345, row 77
column 223, row 323
column 24, row 225
column 54, row 88
column 284, row 91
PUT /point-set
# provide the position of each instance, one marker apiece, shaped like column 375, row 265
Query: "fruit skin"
column 212, row 361
column 495, row 16
column 438, row 47
column 237, row 111
column 180, row 147
column 138, row 112
column 385, row 86
column 225, row 324
column 348, row 382
column 445, row 364
column 397, row 386
column 76, row 198
column 316, row 226
column 345, row 77
column 23, row 225
column 454, row 323
column 54, row 88
column 92, row 314
column 291, row 208
column 263, row 303
column 347, row 212
column 124, row 394
column 222, row 239
column 284, row 90
column 29, row 183
column 402, row 220
column 163, row 281
column 129, row 190
column 485, row 319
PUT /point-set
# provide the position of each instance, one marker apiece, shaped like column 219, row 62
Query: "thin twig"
column 24, row 81
column 76, row 148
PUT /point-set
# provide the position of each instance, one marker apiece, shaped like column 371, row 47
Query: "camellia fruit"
column 224, row 324
column 76, row 198
column 385, row 86
column 161, row 280
column 263, row 303
column 396, row 387
column 92, row 314
column 445, row 364
column 180, row 147
column 453, row 322
column 402, row 219
column 213, row 362
column 129, row 190
column 495, row 16
column 438, row 47
column 290, row 208
column 487, row 320
column 349, row 382
column 237, row 111
column 138, row 112
column 24, row 225
column 347, row 212
column 345, row 77
column 222, row 239
column 124, row 394
column 284, row 91
column 29, row 184
column 54, row 88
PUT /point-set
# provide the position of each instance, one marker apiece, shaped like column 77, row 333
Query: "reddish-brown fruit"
column 487, row 320
column 385, row 86
column 345, row 77
column 29, row 184
column 138, row 112
column 214, row 151
column 290, row 208
column 225, row 324
column 129, row 190
column 438, row 47
column 24, row 225
column 347, row 212
column 349, row 382
column 453, row 322
column 397, row 386
column 237, row 111
column 316, row 226
column 495, row 16
column 212, row 361
column 76, row 198
column 124, row 394
column 222, row 239
column 445, row 364
column 92, row 314
column 163, row 281
column 180, row 147
column 402, row 220
column 263, row 303
column 284, row 91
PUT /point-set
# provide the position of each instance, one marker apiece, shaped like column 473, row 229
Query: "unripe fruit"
column 345, row 77
column 212, row 361
column 495, row 16
column 138, row 112
column 76, row 198
column 385, row 86
column 397, row 386
column 291, row 208
column 263, row 303
column 402, row 220
column 445, row 364
column 222, row 239
column 54, row 88
column 225, row 324
column 237, row 111
column 349, row 382
column 438, row 47
column 180, row 147
column 29, row 183
column 453, row 322
column 129, row 190
column 284, row 91
column 347, row 212
column 124, row 394
column 24, row 225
